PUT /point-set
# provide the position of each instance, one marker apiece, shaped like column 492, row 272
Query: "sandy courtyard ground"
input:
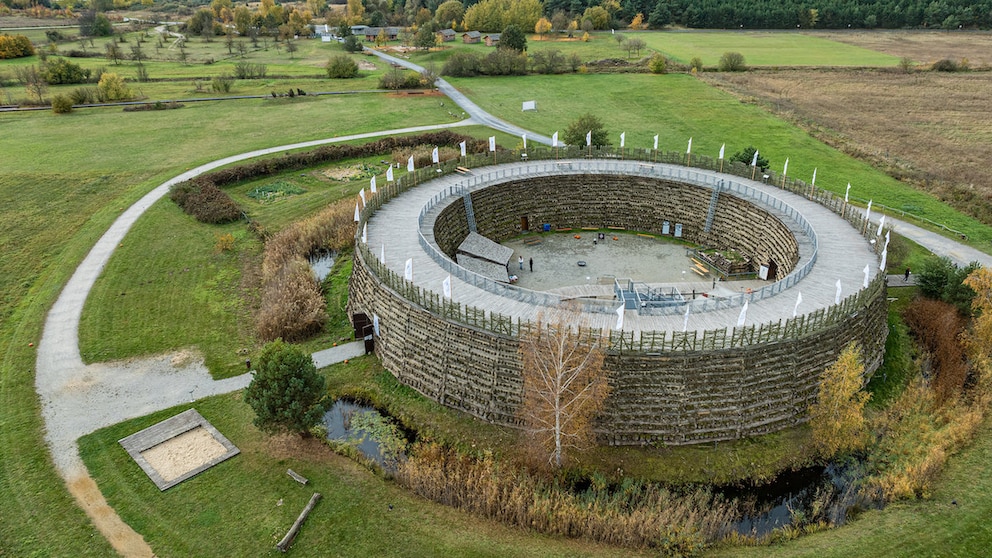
column 177, row 456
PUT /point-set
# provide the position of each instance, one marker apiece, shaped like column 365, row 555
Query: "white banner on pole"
column 881, row 265
column 492, row 143
column 408, row 270
column 382, row 253
column 361, row 194
column 685, row 319
column 620, row 317
column 524, row 136
column 434, row 156
column 623, row 139
column 799, row 300
column 688, row 148
column 389, row 173
column 722, row 147
column 656, row 142
column 867, row 272
column 847, row 192
column 372, row 185
column 813, row 182
column 588, row 138
column 365, row 233
column 358, row 217
column 742, row 317
column 785, row 169
column 881, row 223
column 837, row 296
column 446, row 286
column 554, row 140
column 409, row 164
column 462, row 147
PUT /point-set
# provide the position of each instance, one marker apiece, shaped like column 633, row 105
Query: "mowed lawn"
column 63, row 180
column 677, row 107
column 763, row 48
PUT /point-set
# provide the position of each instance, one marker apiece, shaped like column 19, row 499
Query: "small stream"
column 376, row 436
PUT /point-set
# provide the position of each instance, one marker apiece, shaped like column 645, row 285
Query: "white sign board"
column 678, row 230
column 665, row 228
column 325, row 38
column 529, row 105
column 763, row 273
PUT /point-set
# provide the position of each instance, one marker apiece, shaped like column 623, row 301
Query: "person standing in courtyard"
column 520, row 260
column 531, row 262
column 906, row 277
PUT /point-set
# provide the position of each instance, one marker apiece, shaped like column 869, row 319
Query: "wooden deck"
column 842, row 254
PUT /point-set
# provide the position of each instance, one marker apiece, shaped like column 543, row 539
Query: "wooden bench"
column 463, row 170
column 699, row 272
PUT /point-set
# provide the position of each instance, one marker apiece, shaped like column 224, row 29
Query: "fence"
column 640, row 342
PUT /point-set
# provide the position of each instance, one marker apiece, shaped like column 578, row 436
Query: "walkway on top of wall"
column 843, row 254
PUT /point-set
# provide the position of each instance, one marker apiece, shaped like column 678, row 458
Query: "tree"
column 201, row 23
column 341, row 67
column 838, row 416
column 513, row 38
column 942, row 279
column 449, row 14
column 352, row 44
column 660, row 16
column 564, row 385
column 542, row 26
column 286, row 392
column 291, row 48
column 355, row 12
column 425, row 38
column 635, row 46
column 61, row 71
column 113, row 52
column 559, row 22
column 597, row 16
column 637, row 22
column 576, row 132
column 732, row 62
column 61, row 104
column 93, row 24
column 747, row 156
column 658, row 64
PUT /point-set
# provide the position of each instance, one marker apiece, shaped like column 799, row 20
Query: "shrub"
column 505, row 62
column 576, row 132
column 906, row 64
column 112, row 88
column 732, row 62
column 222, row 83
column 286, row 392
column 352, row 44
column 15, row 46
column 205, row 202
column 83, row 96
column 397, row 79
column 938, row 327
column 696, row 64
column 247, row 70
column 225, row 243
column 549, row 61
column 61, row 71
column 61, row 104
column 462, row 64
column 658, row 64
column 945, row 65
column 341, row 67
column 941, row 279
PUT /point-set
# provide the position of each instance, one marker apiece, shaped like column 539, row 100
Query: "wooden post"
column 721, row 165
column 296, row 476
column 283, row 545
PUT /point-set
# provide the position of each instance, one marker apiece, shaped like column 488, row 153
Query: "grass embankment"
column 245, row 505
column 60, row 191
column 677, row 107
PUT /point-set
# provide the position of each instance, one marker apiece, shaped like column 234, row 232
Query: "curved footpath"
column 77, row 398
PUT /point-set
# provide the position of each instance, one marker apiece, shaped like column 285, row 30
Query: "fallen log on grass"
column 288, row 539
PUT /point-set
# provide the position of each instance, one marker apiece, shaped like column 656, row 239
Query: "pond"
column 376, row 436
column 321, row 263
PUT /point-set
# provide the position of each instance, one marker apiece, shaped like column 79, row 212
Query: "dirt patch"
column 362, row 65
column 177, row 456
column 284, row 446
column 341, row 173
column 923, row 47
column 121, row 536
column 930, row 129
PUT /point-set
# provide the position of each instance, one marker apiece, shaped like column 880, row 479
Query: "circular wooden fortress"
column 674, row 380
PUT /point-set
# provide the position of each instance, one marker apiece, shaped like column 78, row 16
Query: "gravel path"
column 77, row 399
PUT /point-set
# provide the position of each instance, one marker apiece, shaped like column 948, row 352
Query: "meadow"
column 63, row 179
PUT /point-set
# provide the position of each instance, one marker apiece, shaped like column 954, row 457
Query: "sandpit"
column 180, row 455
column 178, row 448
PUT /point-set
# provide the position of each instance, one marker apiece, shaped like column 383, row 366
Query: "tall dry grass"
column 634, row 515
column 293, row 305
column 938, row 328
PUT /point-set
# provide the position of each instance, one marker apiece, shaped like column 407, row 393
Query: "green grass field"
column 677, row 107
column 64, row 179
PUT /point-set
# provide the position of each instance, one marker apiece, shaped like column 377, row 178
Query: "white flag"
column 492, row 143
column 358, row 218
column 372, row 185
column 813, row 182
column 881, row 223
column 722, row 147
column 847, row 193
column 382, row 254
column 462, row 147
column 867, row 272
column 743, row 315
column 361, row 194
column 799, row 300
column 837, row 296
column 881, row 265
column 688, row 149
column 685, row 319
column 409, row 164
column 620, row 317
column 525, row 140
column 785, row 170
column 623, row 139
column 554, row 140
column 886, row 240
column 434, row 158
column 365, row 233
column 375, row 324
column 408, row 270
column 589, row 138
column 656, row 142
column 446, row 287
column 389, row 174
column 754, row 159
column 868, row 212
